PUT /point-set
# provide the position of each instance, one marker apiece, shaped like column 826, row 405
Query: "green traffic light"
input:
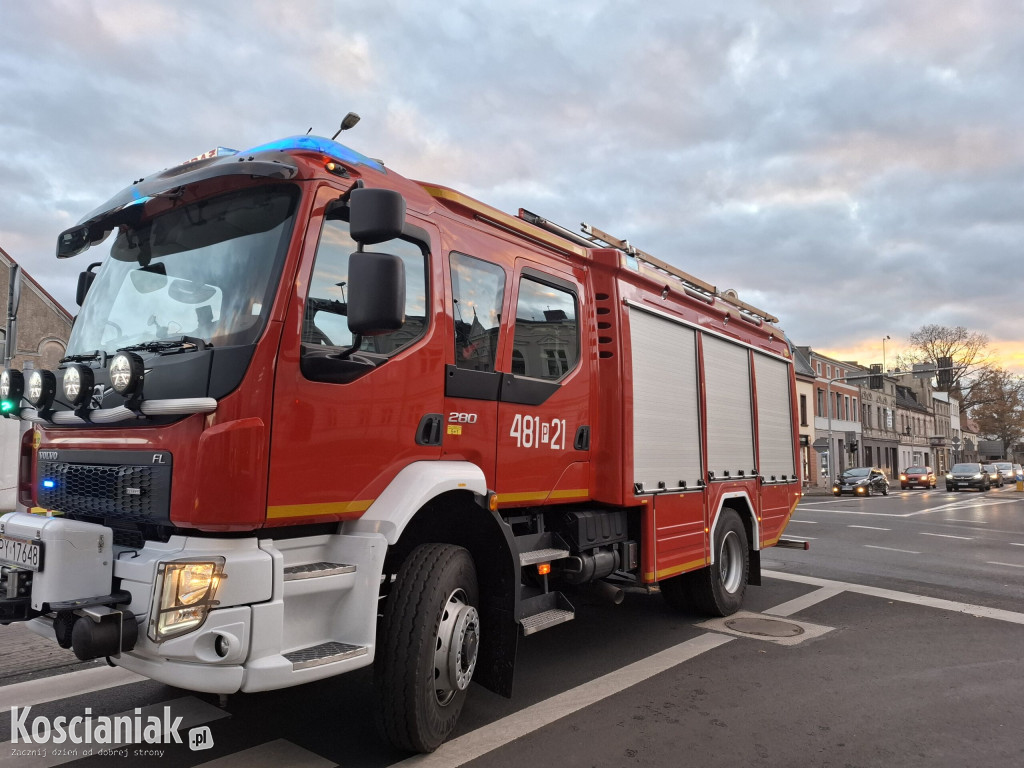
column 7, row 406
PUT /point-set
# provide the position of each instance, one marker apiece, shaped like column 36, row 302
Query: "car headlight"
column 949, row 475
column 186, row 590
column 978, row 476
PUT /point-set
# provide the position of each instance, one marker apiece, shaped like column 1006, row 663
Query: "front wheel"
column 885, row 490
column 427, row 648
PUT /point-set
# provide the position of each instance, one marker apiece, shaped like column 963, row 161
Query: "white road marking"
column 893, row 549
column 1009, row 565
column 798, row 604
column 1017, row 544
column 191, row 710
column 40, row 691
column 973, row 522
column 947, row 536
column 809, row 522
column 483, row 740
column 981, row 611
column 869, row 527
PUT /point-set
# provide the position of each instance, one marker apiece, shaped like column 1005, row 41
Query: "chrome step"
column 540, row 621
column 325, row 653
column 542, row 556
column 315, row 570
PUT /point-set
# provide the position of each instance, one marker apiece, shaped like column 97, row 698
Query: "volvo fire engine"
column 315, row 416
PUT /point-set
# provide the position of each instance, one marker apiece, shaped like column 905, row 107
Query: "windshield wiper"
column 168, row 346
column 83, row 358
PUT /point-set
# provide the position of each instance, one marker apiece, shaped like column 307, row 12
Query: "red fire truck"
column 316, row 416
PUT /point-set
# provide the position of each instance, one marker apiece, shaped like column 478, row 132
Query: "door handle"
column 429, row 430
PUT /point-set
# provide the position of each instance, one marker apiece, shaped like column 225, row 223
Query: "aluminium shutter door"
column 774, row 417
column 729, row 407
column 666, row 416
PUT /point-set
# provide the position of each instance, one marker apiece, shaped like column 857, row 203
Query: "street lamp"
column 887, row 338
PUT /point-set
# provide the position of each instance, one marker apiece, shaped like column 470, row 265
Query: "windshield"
column 1003, row 465
column 858, row 472
column 206, row 270
column 916, row 470
column 967, row 468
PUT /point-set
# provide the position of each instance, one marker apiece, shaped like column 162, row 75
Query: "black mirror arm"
column 345, row 354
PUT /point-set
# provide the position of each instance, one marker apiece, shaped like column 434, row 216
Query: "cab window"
column 325, row 322
column 478, row 290
column 546, row 343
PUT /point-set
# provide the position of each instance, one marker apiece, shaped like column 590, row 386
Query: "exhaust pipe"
column 609, row 592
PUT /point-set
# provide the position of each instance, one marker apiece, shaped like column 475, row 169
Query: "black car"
column 861, row 481
column 968, row 475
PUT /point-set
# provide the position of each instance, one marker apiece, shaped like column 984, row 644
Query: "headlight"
column 78, row 381
column 12, row 387
column 186, row 590
column 126, row 371
column 903, row 477
column 978, row 476
column 949, row 475
column 40, row 389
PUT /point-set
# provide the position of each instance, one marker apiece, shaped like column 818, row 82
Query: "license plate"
column 963, row 485
column 22, row 553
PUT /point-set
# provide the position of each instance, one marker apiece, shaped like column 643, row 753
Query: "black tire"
column 869, row 492
column 427, row 647
column 718, row 589
column 885, row 490
column 837, row 493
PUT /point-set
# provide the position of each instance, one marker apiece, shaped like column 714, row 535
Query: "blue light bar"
column 49, row 484
column 321, row 145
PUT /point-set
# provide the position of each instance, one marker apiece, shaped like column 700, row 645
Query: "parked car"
column 917, row 476
column 968, row 475
column 1018, row 472
column 993, row 475
column 861, row 481
column 1006, row 473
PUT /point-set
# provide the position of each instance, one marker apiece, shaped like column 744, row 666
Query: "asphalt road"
column 902, row 632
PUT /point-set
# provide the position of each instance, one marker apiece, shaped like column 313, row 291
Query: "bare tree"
column 1001, row 415
column 972, row 361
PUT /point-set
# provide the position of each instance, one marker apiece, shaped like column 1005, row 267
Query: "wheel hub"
column 456, row 648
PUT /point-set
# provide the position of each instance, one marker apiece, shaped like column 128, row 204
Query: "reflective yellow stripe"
column 316, row 510
column 675, row 570
column 578, row 493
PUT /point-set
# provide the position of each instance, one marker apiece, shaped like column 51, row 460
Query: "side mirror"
column 375, row 215
column 376, row 293
column 85, row 281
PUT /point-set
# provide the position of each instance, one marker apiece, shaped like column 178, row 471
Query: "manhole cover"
column 752, row 625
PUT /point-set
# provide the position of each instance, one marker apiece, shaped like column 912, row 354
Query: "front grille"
column 137, row 493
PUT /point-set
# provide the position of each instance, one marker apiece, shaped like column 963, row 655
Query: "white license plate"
column 964, row 485
column 22, row 553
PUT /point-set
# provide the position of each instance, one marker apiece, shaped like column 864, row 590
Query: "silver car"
column 1006, row 472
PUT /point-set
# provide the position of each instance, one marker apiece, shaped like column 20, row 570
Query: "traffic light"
column 876, row 376
column 945, row 371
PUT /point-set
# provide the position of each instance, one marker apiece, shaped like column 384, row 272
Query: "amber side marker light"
column 544, row 569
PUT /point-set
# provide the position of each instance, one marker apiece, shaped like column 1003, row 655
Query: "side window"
column 478, row 289
column 546, row 343
column 326, row 322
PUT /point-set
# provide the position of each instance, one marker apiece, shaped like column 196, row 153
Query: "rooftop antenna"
column 349, row 122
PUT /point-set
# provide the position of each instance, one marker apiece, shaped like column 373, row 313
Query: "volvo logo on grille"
column 47, row 455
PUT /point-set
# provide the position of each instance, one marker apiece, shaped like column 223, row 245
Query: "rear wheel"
column 716, row 590
column 429, row 638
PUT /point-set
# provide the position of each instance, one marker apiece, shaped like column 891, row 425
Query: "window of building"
column 803, row 410
column 818, row 368
column 828, row 371
column 821, row 402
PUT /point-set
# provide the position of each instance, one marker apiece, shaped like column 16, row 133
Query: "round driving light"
column 78, row 381
column 125, row 373
column 12, row 384
column 40, row 389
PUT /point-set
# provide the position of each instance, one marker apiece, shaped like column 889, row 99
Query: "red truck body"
column 552, row 411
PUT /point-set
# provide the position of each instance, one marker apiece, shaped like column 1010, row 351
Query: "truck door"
column 543, row 435
column 479, row 300
column 346, row 424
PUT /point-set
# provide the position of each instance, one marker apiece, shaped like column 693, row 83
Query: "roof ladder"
column 593, row 237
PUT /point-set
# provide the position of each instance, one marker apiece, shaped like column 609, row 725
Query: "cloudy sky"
column 855, row 167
